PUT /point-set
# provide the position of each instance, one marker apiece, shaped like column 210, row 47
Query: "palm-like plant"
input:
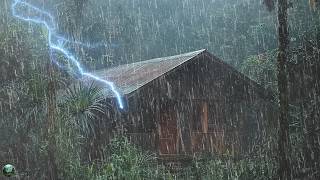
column 83, row 104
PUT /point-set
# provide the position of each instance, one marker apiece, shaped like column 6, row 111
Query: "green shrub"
column 226, row 167
column 125, row 161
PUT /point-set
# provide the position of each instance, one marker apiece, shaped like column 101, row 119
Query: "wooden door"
column 168, row 131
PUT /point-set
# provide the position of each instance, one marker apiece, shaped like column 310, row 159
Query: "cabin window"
column 200, row 117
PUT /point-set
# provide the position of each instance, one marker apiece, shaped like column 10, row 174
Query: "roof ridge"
column 174, row 56
column 194, row 53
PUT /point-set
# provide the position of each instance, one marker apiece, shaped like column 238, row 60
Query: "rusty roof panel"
column 130, row 77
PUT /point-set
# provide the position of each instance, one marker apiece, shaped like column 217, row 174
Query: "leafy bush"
column 125, row 161
column 225, row 168
column 83, row 103
column 262, row 69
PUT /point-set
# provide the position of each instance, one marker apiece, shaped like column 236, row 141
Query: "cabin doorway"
column 168, row 130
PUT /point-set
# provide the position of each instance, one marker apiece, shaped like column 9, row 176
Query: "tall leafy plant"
column 83, row 103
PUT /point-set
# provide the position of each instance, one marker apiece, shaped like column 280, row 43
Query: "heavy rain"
column 160, row 89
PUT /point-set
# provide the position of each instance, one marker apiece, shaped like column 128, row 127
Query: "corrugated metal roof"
column 130, row 77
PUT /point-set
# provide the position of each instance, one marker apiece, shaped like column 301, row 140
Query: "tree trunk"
column 283, row 141
column 51, row 110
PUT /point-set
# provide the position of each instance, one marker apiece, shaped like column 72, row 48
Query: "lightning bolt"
column 57, row 43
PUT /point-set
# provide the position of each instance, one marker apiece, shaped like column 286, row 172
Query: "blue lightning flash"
column 56, row 42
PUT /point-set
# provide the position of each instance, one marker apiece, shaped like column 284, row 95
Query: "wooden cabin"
column 186, row 104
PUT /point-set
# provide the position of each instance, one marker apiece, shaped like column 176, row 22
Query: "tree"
column 282, row 58
column 282, row 61
column 283, row 141
column 51, row 116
